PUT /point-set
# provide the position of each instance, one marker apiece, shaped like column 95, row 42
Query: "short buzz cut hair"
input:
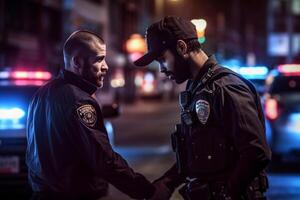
column 79, row 41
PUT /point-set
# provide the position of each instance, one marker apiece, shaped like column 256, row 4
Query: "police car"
column 282, row 109
column 16, row 89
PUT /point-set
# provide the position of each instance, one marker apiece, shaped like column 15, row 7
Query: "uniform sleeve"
column 241, row 117
column 96, row 152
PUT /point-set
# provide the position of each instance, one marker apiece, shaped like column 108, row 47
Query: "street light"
column 200, row 27
column 136, row 43
column 135, row 46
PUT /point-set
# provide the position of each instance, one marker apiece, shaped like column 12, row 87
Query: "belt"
column 195, row 189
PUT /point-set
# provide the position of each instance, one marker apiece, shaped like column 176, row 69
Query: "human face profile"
column 173, row 66
column 95, row 66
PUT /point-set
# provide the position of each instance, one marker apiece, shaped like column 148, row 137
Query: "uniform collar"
column 78, row 81
column 209, row 63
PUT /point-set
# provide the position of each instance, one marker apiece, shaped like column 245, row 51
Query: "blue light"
column 295, row 117
column 294, row 123
column 231, row 63
column 10, row 118
column 4, row 75
column 11, row 113
column 108, row 126
column 110, row 131
column 274, row 72
column 258, row 72
column 149, row 77
column 233, row 68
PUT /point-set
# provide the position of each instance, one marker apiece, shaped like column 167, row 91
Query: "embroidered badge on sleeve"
column 87, row 114
column 203, row 110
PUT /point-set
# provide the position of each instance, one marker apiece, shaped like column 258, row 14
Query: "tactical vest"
column 208, row 151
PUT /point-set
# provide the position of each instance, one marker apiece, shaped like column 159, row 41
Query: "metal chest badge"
column 202, row 110
column 87, row 115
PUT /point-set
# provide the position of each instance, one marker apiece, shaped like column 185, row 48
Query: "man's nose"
column 163, row 69
column 163, row 66
column 104, row 67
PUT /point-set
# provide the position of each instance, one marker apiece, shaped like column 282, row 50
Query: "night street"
column 73, row 72
column 142, row 137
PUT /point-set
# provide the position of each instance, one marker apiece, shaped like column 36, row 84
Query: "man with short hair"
column 220, row 145
column 69, row 155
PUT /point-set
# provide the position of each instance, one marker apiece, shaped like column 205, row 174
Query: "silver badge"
column 203, row 110
column 87, row 115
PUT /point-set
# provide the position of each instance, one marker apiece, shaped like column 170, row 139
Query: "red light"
column 28, row 82
column 271, row 108
column 38, row 75
column 20, row 74
column 290, row 69
column 42, row 75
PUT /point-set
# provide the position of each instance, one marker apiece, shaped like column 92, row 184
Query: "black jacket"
column 68, row 149
column 226, row 141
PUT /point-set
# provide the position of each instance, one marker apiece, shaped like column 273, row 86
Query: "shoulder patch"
column 202, row 110
column 87, row 115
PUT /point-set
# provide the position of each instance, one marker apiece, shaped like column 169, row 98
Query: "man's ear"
column 181, row 48
column 76, row 62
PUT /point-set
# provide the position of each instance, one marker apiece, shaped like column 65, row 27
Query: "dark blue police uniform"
column 220, row 145
column 69, row 154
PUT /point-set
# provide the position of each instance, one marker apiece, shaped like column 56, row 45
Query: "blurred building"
column 30, row 33
column 235, row 28
column 254, row 32
column 283, row 31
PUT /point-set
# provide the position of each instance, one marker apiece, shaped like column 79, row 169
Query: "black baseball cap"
column 164, row 33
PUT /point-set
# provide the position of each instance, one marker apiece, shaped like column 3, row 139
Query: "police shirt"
column 226, row 140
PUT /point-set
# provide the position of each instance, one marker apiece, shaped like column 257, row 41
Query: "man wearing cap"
column 68, row 153
column 220, row 145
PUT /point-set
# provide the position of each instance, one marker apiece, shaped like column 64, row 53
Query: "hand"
column 225, row 195
column 162, row 192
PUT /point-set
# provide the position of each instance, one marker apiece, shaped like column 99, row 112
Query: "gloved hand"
column 162, row 192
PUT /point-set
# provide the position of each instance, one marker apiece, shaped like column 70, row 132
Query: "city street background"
column 260, row 39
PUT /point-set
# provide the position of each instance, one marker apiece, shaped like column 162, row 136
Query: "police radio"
column 186, row 115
